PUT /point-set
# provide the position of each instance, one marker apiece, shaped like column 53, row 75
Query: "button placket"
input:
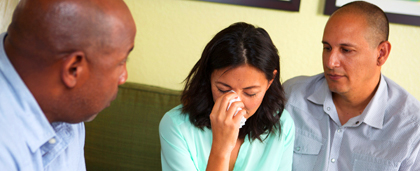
column 335, row 148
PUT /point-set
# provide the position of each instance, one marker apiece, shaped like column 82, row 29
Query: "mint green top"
column 186, row 147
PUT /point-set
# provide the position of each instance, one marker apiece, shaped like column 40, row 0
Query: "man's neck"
column 352, row 104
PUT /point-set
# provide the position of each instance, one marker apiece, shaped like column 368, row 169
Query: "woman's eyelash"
column 224, row 91
column 250, row 95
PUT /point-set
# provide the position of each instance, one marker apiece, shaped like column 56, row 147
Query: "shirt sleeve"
column 174, row 149
column 288, row 131
column 413, row 162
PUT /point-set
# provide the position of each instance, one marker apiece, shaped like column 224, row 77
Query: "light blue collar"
column 374, row 112
column 37, row 128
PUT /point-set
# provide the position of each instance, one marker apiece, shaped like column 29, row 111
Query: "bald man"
column 352, row 117
column 61, row 62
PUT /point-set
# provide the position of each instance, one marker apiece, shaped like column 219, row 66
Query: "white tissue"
column 243, row 120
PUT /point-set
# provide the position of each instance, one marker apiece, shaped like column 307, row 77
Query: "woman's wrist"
column 218, row 160
column 221, row 151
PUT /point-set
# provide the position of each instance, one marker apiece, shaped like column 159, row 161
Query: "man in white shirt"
column 352, row 117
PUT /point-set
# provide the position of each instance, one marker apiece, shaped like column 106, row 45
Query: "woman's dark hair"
column 234, row 46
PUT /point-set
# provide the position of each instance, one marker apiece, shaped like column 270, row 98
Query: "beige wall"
column 171, row 35
column 6, row 11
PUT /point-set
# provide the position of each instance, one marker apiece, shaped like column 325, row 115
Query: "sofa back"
column 125, row 136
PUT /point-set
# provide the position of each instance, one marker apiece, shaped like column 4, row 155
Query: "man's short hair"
column 375, row 18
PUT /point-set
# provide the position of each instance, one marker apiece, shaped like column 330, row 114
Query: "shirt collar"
column 321, row 92
column 374, row 112
column 320, row 95
column 37, row 128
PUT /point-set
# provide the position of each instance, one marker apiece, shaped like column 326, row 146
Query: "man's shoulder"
column 402, row 102
column 396, row 93
column 13, row 144
column 10, row 101
column 9, row 106
column 301, row 83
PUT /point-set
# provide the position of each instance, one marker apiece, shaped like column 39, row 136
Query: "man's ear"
column 74, row 66
column 271, row 81
column 384, row 49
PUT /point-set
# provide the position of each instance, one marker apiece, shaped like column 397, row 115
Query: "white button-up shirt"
column 385, row 137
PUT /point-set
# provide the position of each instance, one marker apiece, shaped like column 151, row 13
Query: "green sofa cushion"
column 125, row 136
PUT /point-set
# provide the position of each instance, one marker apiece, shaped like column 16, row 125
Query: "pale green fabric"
column 186, row 147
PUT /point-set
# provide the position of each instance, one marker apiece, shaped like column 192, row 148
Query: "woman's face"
column 247, row 81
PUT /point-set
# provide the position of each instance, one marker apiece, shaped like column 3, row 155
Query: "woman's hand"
column 225, row 129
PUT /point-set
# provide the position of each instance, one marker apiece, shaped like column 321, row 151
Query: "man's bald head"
column 71, row 54
column 375, row 18
column 49, row 29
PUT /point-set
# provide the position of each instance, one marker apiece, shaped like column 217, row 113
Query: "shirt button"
column 339, row 130
column 328, row 108
column 52, row 141
column 297, row 148
column 333, row 160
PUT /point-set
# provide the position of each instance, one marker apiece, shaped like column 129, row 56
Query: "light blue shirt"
column 28, row 142
column 187, row 148
column 385, row 137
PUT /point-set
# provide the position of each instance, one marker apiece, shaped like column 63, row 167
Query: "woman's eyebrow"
column 250, row 87
column 218, row 82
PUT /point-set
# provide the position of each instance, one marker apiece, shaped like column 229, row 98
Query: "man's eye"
column 345, row 50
